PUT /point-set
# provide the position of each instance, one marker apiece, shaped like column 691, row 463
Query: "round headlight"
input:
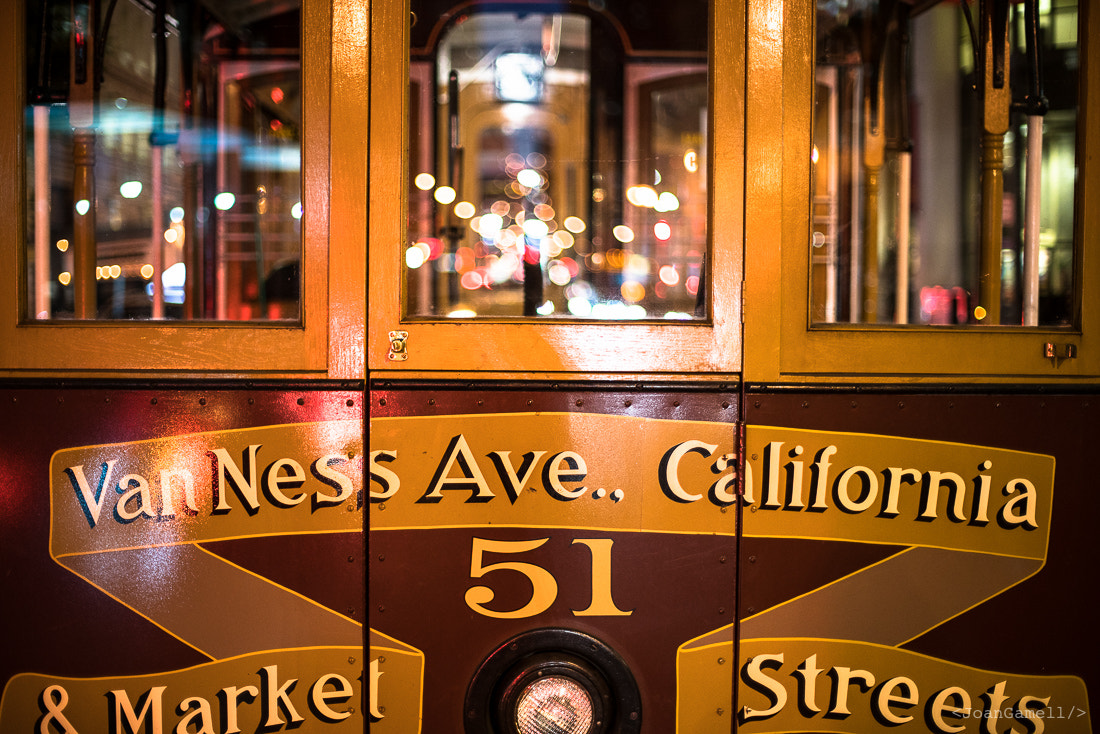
column 553, row 681
column 554, row 705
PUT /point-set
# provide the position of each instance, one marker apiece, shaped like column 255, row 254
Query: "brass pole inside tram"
column 874, row 32
column 874, row 153
column 997, row 99
column 82, row 120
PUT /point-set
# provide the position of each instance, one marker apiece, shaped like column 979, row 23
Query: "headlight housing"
column 553, row 681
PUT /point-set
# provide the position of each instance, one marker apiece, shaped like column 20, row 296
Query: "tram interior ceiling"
column 944, row 163
column 558, row 161
column 163, row 160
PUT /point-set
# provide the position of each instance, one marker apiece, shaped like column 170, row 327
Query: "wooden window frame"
column 440, row 347
column 783, row 347
column 328, row 339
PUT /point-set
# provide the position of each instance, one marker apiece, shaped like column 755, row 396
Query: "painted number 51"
column 544, row 587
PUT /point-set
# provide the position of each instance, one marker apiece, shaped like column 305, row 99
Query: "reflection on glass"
column 163, row 160
column 928, row 206
column 558, row 163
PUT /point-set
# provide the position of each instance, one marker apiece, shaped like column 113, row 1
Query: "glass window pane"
column 924, row 208
column 163, row 160
column 558, row 163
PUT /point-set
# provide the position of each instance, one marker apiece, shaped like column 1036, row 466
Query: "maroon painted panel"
column 65, row 611
column 1044, row 625
column 676, row 586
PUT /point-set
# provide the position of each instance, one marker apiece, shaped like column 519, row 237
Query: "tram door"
column 553, row 554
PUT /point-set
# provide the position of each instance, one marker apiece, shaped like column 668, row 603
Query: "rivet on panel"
column 301, row 401
column 202, row 401
column 381, row 401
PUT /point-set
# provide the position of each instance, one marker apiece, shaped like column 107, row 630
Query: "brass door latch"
column 399, row 346
column 1050, row 351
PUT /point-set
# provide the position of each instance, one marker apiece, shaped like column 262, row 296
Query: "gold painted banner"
column 899, row 491
column 396, row 686
column 317, row 689
column 129, row 518
column 272, row 480
column 976, row 520
column 972, row 520
column 823, row 685
column 578, row 470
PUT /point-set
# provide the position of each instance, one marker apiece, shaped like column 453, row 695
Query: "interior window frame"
column 709, row 346
column 332, row 78
column 785, row 344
